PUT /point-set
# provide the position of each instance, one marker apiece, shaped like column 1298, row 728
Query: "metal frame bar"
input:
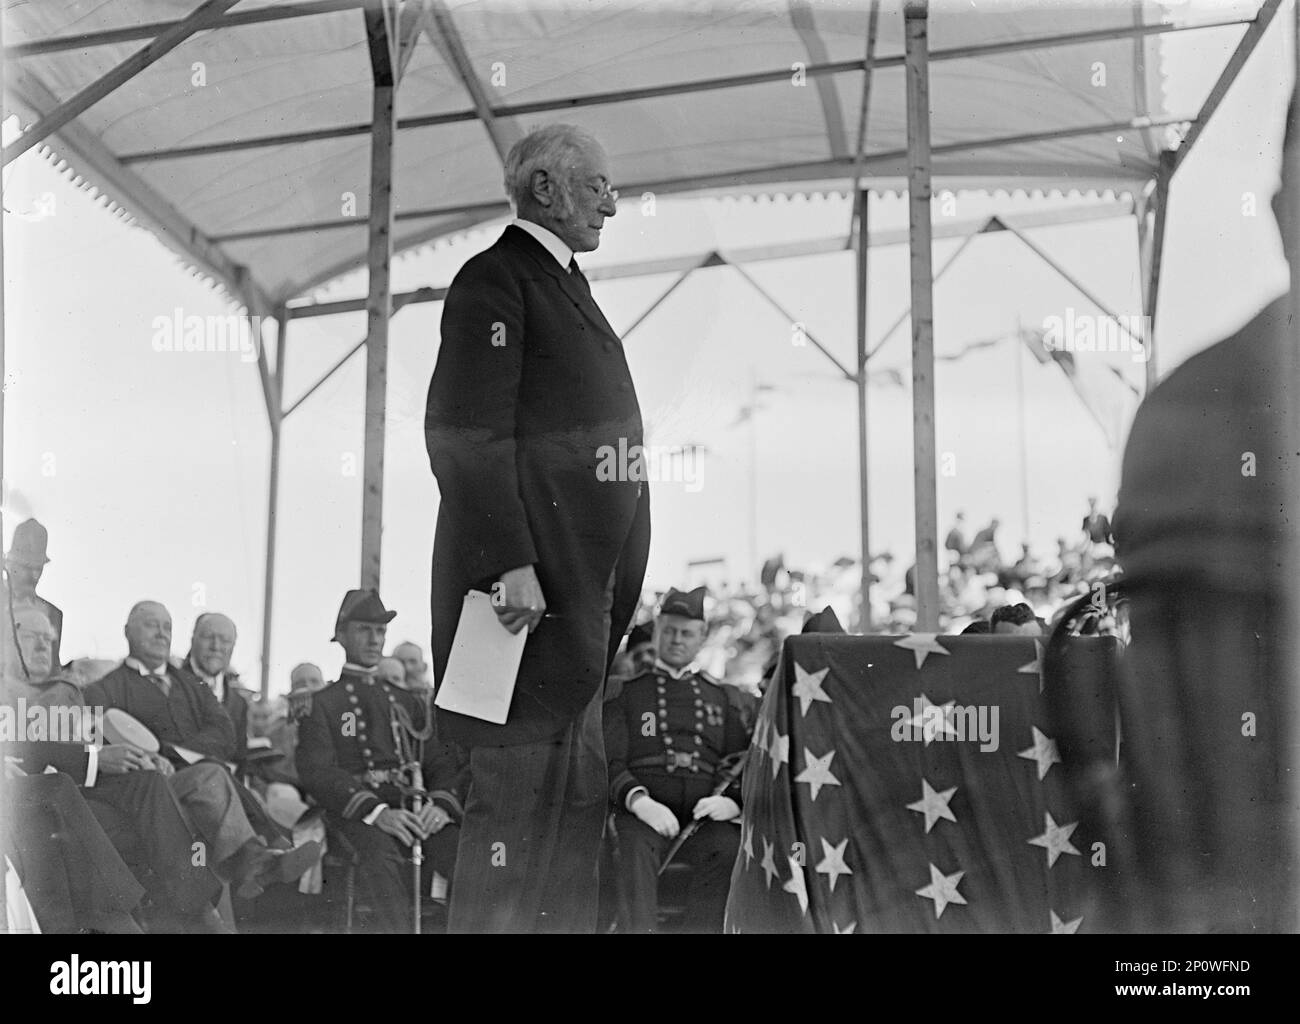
column 1078, row 285
column 147, row 30
column 804, row 23
column 568, row 103
column 844, row 370
column 503, row 131
column 203, row 16
column 741, row 177
column 1151, row 215
column 916, row 25
column 146, row 205
column 1245, row 47
column 757, row 254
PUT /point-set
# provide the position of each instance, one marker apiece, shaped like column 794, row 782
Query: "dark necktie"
column 578, row 276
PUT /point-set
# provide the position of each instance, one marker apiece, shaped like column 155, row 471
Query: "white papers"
column 483, row 665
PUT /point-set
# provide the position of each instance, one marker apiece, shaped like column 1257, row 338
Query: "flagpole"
column 1023, row 427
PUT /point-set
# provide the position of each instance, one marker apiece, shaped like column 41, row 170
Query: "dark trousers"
column 144, row 820
column 386, row 874
column 72, row 875
column 530, row 840
column 711, row 852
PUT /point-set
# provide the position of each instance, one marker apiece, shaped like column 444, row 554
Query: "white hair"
column 553, row 148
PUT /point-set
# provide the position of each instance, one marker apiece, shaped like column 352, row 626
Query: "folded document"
column 483, row 665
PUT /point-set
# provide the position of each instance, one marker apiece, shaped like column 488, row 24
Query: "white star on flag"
column 1056, row 840
column 769, row 865
column 748, row 832
column 817, row 772
column 943, row 890
column 848, row 929
column 759, row 742
column 795, row 886
column 808, row 687
column 1060, row 927
column 934, row 719
column 1035, row 667
column 922, row 645
column 1043, row 752
column 832, row 865
column 778, row 750
column 933, row 805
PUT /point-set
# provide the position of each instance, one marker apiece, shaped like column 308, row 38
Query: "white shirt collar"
column 217, row 682
column 553, row 243
column 139, row 666
column 676, row 673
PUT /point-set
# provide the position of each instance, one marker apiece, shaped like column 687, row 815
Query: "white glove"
column 657, row 816
column 719, row 808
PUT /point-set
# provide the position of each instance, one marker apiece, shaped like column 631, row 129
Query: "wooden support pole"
column 275, row 418
column 916, row 25
column 861, row 248
column 379, row 299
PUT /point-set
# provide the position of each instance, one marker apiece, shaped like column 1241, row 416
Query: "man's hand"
column 162, row 765
column 719, row 808
column 433, row 819
column 120, row 758
column 517, row 599
column 657, row 816
column 401, row 825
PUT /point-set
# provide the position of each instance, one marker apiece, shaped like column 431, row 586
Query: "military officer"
column 349, row 760
column 667, row 731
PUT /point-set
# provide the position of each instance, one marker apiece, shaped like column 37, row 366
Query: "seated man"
column 349, row 761
column 198, row 739
column 415, row 668
column 211, row 647
column 125, row 787
column 667, row 731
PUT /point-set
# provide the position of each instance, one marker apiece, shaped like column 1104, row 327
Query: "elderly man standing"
column 196, row 737
column 531, row 403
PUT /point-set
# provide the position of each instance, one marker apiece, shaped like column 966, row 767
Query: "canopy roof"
column 246, row 146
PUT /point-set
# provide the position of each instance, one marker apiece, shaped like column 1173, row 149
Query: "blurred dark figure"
column 956, row 539
column 1096, row 525
column 979, row 626
column 1204, row 513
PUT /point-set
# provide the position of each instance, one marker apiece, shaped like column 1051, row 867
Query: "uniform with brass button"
column 667, row 732
column 349, row 760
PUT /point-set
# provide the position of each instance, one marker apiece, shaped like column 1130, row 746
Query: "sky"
column 150, row 469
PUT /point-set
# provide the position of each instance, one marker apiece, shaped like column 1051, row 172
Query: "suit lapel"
column 572, row 288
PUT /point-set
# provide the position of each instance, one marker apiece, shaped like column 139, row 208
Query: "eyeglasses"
column 603, row 191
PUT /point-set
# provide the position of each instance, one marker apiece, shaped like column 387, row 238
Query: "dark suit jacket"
column 531, row 397
column 188, row 716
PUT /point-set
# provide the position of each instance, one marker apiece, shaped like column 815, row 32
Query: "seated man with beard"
column 125, row 787
column 197, row 738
